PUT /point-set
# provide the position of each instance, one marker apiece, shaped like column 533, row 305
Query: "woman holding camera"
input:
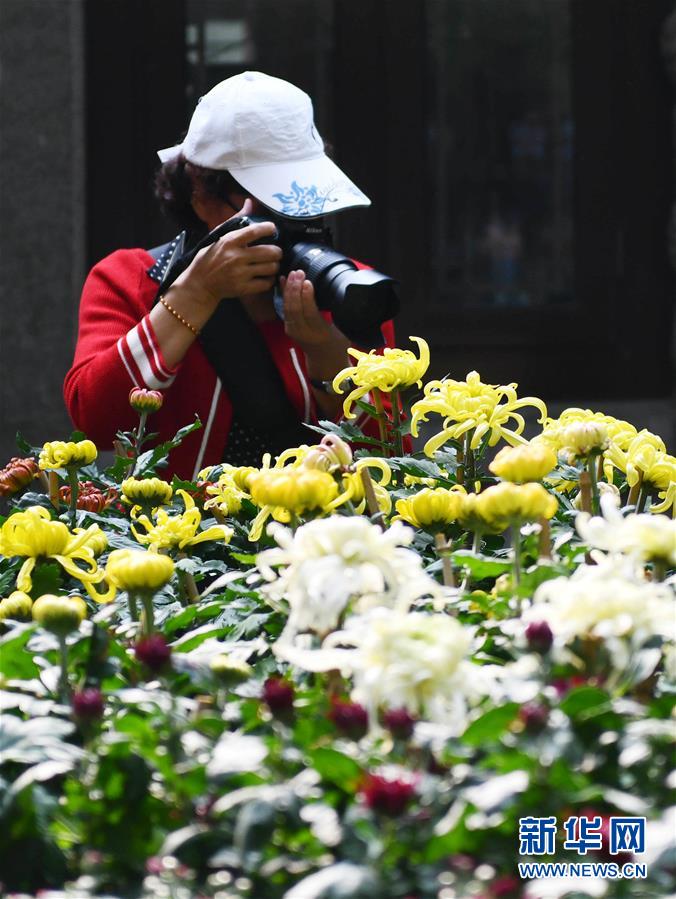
column 213, row 340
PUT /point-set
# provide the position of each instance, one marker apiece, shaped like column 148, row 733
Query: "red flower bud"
column 389, row 797
column 16, row 475
column 350, row 718
column 539, row 636
column 534, row 716
column 88, row 704
column 89, row 497
column 399, row 723
column 142, row 400
column 278, row 695
column 154, row 652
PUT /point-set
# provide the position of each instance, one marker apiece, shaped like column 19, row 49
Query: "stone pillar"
column 42, row 204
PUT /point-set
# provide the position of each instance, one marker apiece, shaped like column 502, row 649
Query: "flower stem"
column 441, row 548
column 635, row 490
column 591, row 468
column 371, row 500
column 380, row 416
column 460, row 469
column 188, row 586
column 74, row 489
column 516, row 549
column 585, row 491
column 148, row 624
column 133, row 606
column 476, row 544
column 643, row 495
column 468, row 452
column 64, row 688
column 54, row 489
column 545, row 539
column 396, row 422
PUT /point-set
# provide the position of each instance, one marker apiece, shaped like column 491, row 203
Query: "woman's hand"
column 230, row 267
column 303, row 321
column 325, row 347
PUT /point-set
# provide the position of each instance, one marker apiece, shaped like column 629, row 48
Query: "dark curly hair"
column 175, row 184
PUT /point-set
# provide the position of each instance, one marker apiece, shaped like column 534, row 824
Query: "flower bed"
column 350, row 672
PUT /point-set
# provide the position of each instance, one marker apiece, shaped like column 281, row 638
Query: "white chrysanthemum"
column 416, row 661
column 604, row 600
column 644, row 537
column 329, row 563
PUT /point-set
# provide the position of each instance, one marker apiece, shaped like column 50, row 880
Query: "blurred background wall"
column 519, row 157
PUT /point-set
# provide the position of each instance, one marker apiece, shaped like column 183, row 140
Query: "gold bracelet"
column 179, row 317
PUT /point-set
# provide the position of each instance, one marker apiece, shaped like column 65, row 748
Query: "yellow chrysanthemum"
column 471, row 405
column 521, row 464
column 138, row 570
column 95, row 539
column 59, row 614
column 33, row 535
column 146, row 491
column 620, row 432
column 505, row 504
column 226, row 495
column 353, row 486
column 432, row 509
column 392, row 369
column 178, row 530
column 646, row 459
column 58, row 454
column 16, row 606
column 284, row 492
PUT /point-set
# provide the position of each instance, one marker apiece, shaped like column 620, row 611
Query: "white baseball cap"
column 261, row 130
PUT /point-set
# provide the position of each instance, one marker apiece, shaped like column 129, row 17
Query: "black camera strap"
column 236, row 348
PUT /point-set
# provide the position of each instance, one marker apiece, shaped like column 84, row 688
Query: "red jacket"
column 117, row 349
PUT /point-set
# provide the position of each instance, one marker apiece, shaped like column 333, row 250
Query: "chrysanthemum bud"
column 154, row 652
column 88, row 704
column 17, row 474
column 432, row 509
column 17, row 606
column 387, row 796
column 520, row 464
column 400, row 723
column 278, row 695
column 59, row 614
column 582, row 439
column 73, row 454
column 350, row 718
column 147, row 491
column 534, row 717
column 229, row 671
column 137, row 570
column 143, row 400
column 89, row 497
column 539, row 636
column 296, row 489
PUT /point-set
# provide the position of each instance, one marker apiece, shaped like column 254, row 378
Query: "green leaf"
column 15, row 660
column 490, row 725
column 157, row 457
column 480, row 566
column 336, row 768
column 581, row 701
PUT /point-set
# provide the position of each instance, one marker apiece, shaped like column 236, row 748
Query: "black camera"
column 359, row 300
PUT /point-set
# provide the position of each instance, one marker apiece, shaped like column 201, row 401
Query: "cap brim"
column 170, row 153
column 307, row 188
